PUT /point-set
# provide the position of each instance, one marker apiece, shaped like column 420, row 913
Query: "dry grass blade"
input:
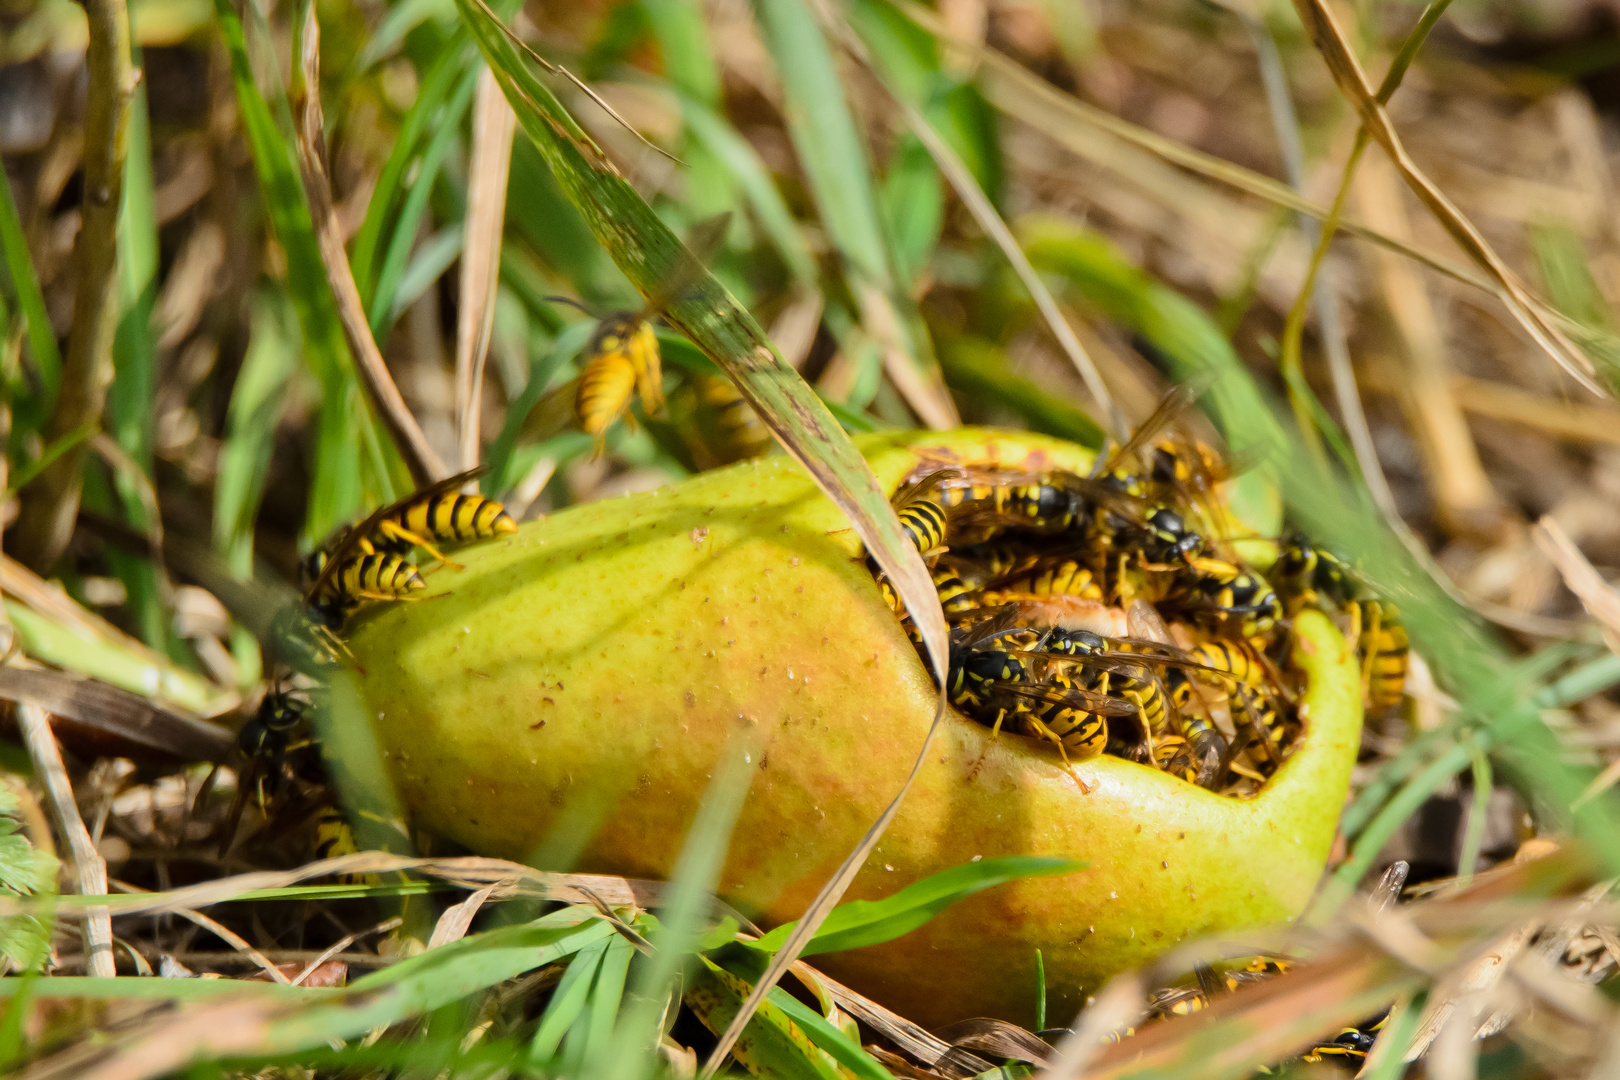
column 343, row 943
column 1335, row 49
column 50, row 503
column 457, row 918
column 107, row 720
column 998, row 1038
column 469, row 872
column 88, row 866
column 419, row 455
column 1600, row 599
column 225, row 934
column 818, row 910
column 1113, row 143
column 494, row 124
column 920, row 1043
column 1468, row 983
column 973, row 197
column 1459, row 480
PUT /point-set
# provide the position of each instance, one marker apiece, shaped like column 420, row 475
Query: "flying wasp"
column 623, row 358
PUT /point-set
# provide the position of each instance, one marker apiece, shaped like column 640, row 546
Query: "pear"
column 571, row 692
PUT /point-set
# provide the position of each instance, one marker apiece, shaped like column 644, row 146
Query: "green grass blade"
column 41, row 336
column 773, row 1045
column 683, row 38
column 822, row 1032
column 567, row 1003
column 693, row 883
column 336, row 491
column 830, row 149
column 380, row 311
column 871, row 922
column 437, row 85
column 400, row 20
column 131, row 398
column 714, row 133
column 431, row 260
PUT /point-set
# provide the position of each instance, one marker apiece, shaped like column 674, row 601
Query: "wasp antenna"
column 571, row 302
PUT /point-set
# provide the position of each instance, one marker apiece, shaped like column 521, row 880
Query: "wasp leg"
column 1047, row 733
column 399, row 532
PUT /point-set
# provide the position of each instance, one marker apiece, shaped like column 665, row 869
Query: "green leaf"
column 567, row 1003
column 433, row 979
column 381, row 308
column 24, row 871
column 772, row 1044
column 41, row 336
column 872, row 922
column 336, row 491
column 683, row 38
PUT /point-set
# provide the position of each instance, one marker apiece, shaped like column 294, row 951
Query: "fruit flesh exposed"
column 575, row 686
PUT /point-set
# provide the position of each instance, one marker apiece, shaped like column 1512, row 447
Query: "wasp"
column 438, row 513
column 995, row 677
column 1227, row 597
column 1039, row 577
column 1353, row 1043
column 1309, row 575
column 367, row 562
column 956, row 597
column 623, row 358
column 723, row 426
column 264, row 743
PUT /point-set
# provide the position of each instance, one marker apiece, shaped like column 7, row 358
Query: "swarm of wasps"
column 1099, row 614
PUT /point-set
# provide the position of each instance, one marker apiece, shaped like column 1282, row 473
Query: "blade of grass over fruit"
column 24, row 279
column 407, row 436
column 1341, row 61
column 977, row 367
column 692, row 885
column 336, row 491
column 649, row 254
column 835, row 162
column 567, row 1003
column 871, row 922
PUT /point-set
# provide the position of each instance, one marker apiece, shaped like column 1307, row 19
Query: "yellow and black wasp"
column 1350, row 1046
column 264, row 742
column 367, row 561
column 1313, row 576
column 997, row 679
column 1226, row 598
column 716, row 423
column 623, row 358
